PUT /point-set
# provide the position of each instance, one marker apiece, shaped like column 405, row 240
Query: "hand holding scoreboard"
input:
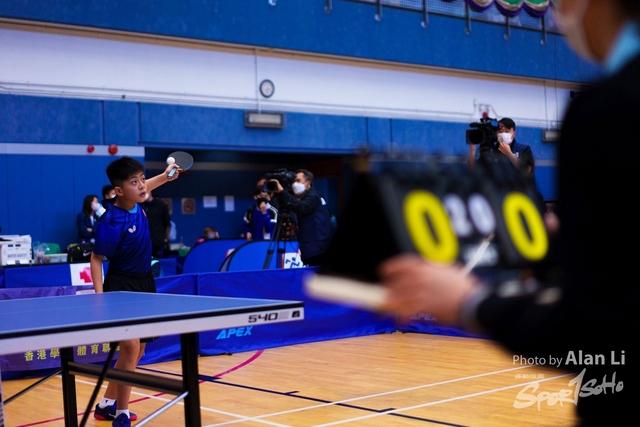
column 491, row 217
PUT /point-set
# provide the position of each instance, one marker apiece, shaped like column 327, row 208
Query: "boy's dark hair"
column 118, row 171
column 307, row 175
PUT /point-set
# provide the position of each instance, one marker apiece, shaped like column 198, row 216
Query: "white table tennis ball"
column 170, row 160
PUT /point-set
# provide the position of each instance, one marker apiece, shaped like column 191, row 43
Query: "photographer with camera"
column 501, row 146
column 313, row 215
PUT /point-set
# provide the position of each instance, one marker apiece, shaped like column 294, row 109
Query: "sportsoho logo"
column 529, row 395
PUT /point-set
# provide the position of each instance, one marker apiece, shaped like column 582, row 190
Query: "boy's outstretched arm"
column 96, row 272
column 163, row 178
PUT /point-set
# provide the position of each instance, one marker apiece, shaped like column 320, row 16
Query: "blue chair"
column 209, row 255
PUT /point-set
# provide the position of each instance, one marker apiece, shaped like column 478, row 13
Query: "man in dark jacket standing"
column 520, row 155
column 313, row 216
column 159, row 224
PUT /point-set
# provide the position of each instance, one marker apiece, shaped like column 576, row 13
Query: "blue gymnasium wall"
column 350, row 30
column 168, row 125
column 41, row 194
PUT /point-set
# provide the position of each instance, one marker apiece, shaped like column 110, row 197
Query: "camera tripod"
column 279, row 240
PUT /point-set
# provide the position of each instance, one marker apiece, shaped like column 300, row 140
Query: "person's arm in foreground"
column 415, row 285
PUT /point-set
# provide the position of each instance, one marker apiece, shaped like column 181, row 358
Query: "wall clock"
column 267, row 88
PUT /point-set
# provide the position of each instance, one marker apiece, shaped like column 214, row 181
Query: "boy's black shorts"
column 132, row 282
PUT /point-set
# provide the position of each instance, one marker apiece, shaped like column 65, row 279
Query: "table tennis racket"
column 367, row 295
column 344, row 290
column 183, row 159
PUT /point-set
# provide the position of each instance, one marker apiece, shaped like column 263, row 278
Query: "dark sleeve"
column 247, row 220
column 308, row 204
column 107, row 202
column 515, row 318
column 294, row 218
column 526, row 158
column 82, row 224
column 554, row 321
column 273, row 201
column 166, row 218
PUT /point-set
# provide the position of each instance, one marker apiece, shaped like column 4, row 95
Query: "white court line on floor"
column 306, row 408
column 452, row 399
column 241, row 418
column 259, row 418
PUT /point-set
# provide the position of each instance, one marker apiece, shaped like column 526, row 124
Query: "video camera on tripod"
column 283, row 176
column 285, row 228
column 484, row 133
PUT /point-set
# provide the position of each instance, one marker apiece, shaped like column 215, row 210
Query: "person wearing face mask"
column 312, row 215
column 261, row 223
column 520, row 155
column 209, row 233
column 159, row 224
column 86, row 220
column 260, row 218
column 100, row 210
column 108, row 196
column 582, row 308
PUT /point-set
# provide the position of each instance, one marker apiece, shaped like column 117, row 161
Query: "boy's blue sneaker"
column 122, row 421
column 109, row 413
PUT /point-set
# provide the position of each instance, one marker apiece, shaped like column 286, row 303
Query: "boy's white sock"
column 124, row 411
column 106, row 402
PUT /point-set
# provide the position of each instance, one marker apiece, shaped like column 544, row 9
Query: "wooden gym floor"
column 378, row 380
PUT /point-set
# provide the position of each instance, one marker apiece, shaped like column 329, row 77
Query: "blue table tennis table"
column 67, row 321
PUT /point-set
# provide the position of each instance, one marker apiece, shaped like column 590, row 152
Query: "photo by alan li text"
column 573, row 358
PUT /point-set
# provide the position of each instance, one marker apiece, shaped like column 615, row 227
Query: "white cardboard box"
column 15, row 249
column 16, row 238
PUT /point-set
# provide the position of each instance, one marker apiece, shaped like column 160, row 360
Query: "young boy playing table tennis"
column 122, row 235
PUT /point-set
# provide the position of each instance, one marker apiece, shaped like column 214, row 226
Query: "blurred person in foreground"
column 586, row 315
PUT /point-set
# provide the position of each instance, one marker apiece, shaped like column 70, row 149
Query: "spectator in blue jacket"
column 258, row 223
column 249, row 229
column 86, row 220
